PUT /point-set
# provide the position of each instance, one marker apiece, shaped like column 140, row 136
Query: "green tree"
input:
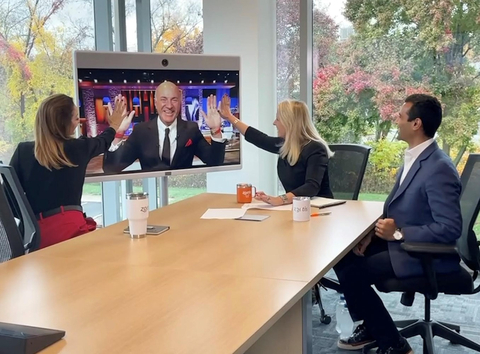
column 438, row 42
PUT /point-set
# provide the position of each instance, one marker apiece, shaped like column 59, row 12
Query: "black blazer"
column 143, row 144
column 45, row 189
column 308, row 177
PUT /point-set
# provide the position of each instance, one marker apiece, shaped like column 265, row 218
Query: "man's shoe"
column 357, row 340
column 403, row 348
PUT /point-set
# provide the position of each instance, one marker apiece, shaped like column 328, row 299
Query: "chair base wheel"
column 325, row 319
column 430, row 329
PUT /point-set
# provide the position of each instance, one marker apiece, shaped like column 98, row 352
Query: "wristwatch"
column 284, row 198
column 398, row 235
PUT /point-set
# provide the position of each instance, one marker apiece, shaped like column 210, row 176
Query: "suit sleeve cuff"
column 114, row 147
column 219, row 140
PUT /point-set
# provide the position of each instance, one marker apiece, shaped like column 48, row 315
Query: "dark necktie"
column 166, row 147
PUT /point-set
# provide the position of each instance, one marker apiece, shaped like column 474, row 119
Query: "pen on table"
column 319, row 214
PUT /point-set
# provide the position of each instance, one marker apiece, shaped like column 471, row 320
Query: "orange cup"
column 245, row 192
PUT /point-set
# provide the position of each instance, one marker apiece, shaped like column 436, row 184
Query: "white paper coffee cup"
column 301, row 209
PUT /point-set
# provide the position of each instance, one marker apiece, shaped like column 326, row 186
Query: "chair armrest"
column 429, row 248
column 427, row 252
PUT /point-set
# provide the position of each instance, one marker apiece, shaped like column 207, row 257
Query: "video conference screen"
column 100, row 77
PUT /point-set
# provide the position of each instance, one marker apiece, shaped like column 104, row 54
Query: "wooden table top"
column 115, row 308
column 205, row 286
column 276, row 248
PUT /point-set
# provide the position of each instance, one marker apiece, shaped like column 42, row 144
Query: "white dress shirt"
column 411, row 155
column 161, row 137
column 172, row 135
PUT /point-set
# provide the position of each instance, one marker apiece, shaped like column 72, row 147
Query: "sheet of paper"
column 226, row 213
column 320, row 202
column 266, row 206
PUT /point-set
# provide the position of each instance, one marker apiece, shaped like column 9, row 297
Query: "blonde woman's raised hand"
column 224, row 108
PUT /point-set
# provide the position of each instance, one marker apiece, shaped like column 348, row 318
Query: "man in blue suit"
column 424, row 206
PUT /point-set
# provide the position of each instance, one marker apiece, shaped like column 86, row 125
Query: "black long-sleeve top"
column 46, row 190
column 308, row 177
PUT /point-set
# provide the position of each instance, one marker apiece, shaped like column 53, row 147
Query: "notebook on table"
column 320, row 202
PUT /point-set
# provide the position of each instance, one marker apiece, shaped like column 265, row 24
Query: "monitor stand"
column 18, row 339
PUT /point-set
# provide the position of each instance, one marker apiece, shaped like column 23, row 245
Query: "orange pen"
column 319, row 214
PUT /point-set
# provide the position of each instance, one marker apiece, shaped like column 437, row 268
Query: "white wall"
column 247, row 28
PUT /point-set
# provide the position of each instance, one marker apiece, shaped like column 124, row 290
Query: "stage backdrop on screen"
column 100, row 76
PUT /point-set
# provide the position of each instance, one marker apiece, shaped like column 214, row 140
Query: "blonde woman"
column 52, row 168
column 303, row 155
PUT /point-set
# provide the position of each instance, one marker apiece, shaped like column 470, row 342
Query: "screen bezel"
column 153, row 61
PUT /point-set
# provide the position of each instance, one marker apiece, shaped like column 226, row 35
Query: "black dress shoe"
column 359, row 338
column 402, row 348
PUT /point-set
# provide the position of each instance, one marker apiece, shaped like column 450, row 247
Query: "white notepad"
column 226, row 213
column 320, row 202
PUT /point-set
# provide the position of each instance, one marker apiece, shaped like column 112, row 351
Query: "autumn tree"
column 325, row 33
column 36, row 60
column 359, row 92
column 176, row 28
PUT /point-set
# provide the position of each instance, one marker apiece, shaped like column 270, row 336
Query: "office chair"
column 11, row 243
column 346, row 170
column 29, row 229
column 431, row 284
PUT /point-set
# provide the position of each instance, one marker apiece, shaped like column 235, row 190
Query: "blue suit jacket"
column 426, row 206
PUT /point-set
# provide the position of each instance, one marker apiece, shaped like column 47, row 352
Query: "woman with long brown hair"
column 52, row 168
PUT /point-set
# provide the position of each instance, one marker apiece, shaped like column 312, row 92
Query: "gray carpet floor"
column 461, row 310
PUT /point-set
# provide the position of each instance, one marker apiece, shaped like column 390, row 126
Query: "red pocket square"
column 189, row 142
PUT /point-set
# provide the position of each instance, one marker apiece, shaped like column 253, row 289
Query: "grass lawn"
column 373, row 197
column 175, row 194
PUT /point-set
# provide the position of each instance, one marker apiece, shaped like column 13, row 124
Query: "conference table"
column 204, row 286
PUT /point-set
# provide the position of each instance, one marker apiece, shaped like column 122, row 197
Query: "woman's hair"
column 299, row 130
column 53, row 125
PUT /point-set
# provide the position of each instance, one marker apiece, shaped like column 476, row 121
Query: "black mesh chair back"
column 11, row 243
column 467, row 244
column 346, row 169
column 29, row 229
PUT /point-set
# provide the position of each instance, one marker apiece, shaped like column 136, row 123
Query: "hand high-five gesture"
column 224, row 108
column 212, row 118
column 117, row 117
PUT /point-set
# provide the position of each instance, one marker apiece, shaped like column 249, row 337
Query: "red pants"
column 64, row 226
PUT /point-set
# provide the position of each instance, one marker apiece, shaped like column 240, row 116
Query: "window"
column 288, row 49
column 177, row 28
column 369, row 57
column 36, row 44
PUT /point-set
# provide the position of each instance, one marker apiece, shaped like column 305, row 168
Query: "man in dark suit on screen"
column 424, row 206
column 168, row 142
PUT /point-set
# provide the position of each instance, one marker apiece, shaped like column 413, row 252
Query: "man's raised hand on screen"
column 212, row 117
